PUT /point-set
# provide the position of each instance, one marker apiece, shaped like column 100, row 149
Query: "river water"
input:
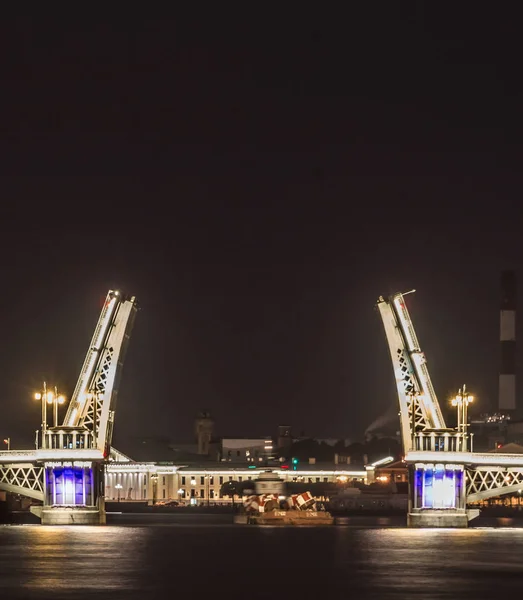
column 167, row 558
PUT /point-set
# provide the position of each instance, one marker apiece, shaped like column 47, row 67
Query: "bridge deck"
column 493, row 459
column 65, row 454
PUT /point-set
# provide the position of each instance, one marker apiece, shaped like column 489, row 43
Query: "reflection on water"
column 68, row 558
column 168, row 559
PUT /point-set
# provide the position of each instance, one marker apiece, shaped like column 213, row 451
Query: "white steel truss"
column 26, row 479
column 414, row 387
column 489, row 482
column 93, row 402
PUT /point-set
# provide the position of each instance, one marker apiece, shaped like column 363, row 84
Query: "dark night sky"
column 257, row 185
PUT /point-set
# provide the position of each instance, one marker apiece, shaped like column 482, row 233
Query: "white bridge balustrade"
column 69, row 438
column 441, row 441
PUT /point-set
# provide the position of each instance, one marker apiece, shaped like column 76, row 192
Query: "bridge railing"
column 69, row 438
column 441, row 441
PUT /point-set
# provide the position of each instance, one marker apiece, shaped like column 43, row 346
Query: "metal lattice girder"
column 93, row 402
column 488, row 482
column 404, row 374
column 414, row 402
column 25, row 479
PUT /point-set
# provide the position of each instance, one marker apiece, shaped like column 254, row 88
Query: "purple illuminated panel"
column 418, row 488
column 437, row 487
column 69, row 486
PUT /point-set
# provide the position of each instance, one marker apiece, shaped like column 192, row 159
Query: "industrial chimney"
column 507, row 336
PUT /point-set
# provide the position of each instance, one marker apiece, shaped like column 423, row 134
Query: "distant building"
column 492, row 430
column 392, row 473
column 201, row 483
column 284, row 439
column 246, row 450
column 204, row 427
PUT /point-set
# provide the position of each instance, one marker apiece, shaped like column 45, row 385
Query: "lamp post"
column 461, row 402
column 48, row 397
column 118, row 486
column 7, row 441
column 43, row 397
column 55, row 399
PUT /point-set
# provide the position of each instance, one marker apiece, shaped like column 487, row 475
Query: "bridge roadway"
column 488, row 474
column 44, row 455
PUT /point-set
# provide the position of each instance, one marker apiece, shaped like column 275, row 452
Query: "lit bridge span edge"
column 22, row 471
column 487, row 474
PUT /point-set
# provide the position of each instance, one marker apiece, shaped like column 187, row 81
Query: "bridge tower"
column 204, row 426
column 67, row 469
column 436, row 488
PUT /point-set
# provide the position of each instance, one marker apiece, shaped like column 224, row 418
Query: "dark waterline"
column 163, row 557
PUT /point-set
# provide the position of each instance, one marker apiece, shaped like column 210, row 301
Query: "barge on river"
column 270, row 505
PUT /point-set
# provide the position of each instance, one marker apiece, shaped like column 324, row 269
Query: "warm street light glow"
column 459, row 399
column 461, row 402
column 47, row 396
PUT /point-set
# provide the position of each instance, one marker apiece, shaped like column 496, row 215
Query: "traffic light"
column 295, row 462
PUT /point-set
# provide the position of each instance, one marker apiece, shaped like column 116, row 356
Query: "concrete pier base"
column 438, row 518
column 69, row 516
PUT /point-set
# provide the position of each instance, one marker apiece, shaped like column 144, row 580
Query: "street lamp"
column 55, row 399
column 461, row 402
column 118, row 486
column 7, row 441
column 51, row 398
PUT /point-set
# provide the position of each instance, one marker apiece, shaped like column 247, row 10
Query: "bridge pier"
column 438, row 518
column 73, row 494
column 69, row 515
column 437, row 496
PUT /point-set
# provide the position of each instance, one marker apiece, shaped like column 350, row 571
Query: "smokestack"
column 507, row 337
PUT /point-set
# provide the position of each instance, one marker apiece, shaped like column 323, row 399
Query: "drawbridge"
column 65, row 470
column 445, row 475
